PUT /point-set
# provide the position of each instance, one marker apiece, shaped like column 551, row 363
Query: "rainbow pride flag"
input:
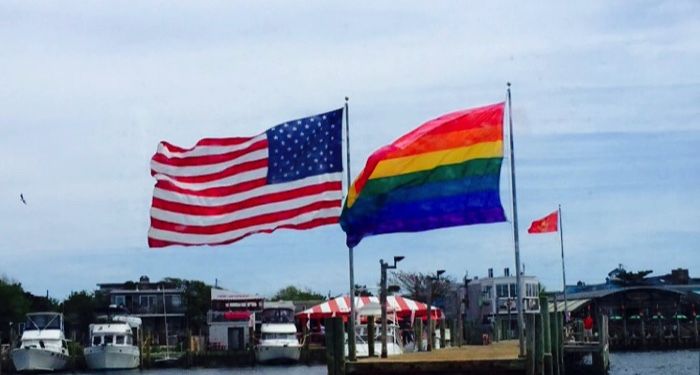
column 443, row 174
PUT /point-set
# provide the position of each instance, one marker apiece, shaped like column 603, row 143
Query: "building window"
column 118, row 300
column 176, row 300
column 513, row 290
column 148, row 300
column 120, row 340
column 502, row 290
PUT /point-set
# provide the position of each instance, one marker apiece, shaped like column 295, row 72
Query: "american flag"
column 224, row 189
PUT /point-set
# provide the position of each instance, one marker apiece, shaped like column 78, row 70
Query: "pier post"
column 546, row 329
column 625, row 339
column 431, row 335
column 554, row 342
column 453, row 333
column 335, row 346
column 644, row 333
column 418, row 328
column 539, row 341
column 443, row 339
column 370, row 336
column 697, row 334
column 530, row 344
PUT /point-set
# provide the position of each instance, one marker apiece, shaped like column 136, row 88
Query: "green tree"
column 292, row 293
column 197, row 301
column 79, row 312
column 13, row 305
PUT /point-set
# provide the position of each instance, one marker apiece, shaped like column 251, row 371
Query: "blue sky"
column 605, row 101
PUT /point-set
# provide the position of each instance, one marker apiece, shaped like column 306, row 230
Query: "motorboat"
column 113, row 345
column 278, row 334
column 43, row 345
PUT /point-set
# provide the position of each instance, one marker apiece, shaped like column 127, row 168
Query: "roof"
column 227, row 295
column 606, row 292
column 279, row 305
column 571, row 304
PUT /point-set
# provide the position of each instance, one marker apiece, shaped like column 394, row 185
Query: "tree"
column 292, row 293
column 197, row 301
column 79, row 312
column 13, row 305
column 416, row 285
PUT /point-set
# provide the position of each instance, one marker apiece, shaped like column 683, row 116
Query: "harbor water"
column 630, row 363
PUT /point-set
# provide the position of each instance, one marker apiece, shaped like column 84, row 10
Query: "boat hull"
column 277, row 353
column 36, row 359
column 110, row 357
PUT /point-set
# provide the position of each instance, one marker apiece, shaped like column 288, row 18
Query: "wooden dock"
column 498, row 358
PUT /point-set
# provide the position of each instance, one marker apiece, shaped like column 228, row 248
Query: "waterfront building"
column 232, row 319
column 152, row 302
column 653, row 312
column 491, row 302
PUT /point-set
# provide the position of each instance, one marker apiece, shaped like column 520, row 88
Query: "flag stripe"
column 442, row 141
column 193, row 171
column 430, row 160
column 227, row 181
column 472, row 168
column 167, row 186
column 208, row 145
column 221, row 197
column 303, row 221
column 212, row 158
column 153, row 241
column 194, row 207
column 210, row 218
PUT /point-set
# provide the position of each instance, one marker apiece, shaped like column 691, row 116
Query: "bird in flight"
column 21, row 197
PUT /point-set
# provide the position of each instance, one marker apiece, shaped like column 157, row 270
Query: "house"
column 153, row 303
column 232, row 319
column 492, row 301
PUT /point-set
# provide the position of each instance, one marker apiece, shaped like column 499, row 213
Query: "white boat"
column 112, row 344
column 43, row 345
column 278, row 334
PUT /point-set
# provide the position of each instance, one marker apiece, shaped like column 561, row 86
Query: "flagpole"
column 563, row 267
column 516, row 239
column 351, row 334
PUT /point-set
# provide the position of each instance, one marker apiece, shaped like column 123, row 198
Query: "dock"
column 498, row 358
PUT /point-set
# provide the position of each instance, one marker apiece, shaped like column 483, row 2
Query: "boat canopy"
column 404, row 308
column 132, row 321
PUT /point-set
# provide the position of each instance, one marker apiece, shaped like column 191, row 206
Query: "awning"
column 340, row 307
column 571, row 305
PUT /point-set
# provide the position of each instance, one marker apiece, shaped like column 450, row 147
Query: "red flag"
column 547, row 224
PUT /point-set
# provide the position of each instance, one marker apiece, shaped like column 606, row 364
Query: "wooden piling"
column 539, row 344
column 530, row 344
column 546, row 328
column 418, row 327
column 335, row 346
column 443, row 339
column 453, row 332
column 644, row 334
column 431, row 334
column 625, row 340
column 370, row 336
column 697, row 334
column 556, row 345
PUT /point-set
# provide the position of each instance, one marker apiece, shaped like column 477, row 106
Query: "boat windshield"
column 42, row 321
column 278, row 316
column 279, row 336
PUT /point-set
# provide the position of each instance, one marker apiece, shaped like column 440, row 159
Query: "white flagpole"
column 516, row 239
column 351, row 334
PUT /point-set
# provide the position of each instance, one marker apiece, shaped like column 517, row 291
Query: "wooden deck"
column 497, row 358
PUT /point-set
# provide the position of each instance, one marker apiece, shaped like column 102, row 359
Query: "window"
column 118, row 300
column 502, row 290
column 176, row 300
column 96, row 340
column 513, row 290
column 108, row 339
column 120, row 340
column 147, row 300
column 128, row 340
column 486, row 292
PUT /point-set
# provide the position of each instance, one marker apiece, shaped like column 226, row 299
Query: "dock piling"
column 370, row 336
column 443, row 339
